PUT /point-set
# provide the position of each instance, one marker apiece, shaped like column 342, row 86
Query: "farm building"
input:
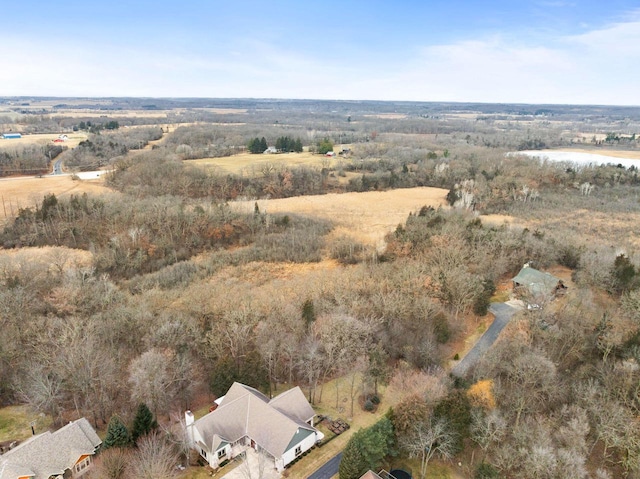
column 10, row 136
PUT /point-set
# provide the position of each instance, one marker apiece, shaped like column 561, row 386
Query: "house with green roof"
column 537, row 286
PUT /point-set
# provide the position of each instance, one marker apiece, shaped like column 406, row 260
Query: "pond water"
column 578, row 158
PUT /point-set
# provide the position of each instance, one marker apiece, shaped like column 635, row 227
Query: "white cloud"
column 599, row 66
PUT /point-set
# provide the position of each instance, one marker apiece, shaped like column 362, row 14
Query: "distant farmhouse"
column 10, row 136
column 537, row 287
column 66, row 453
column 281, row 427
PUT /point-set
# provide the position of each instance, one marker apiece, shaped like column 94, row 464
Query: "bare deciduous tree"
column 153, row 379
column 155, row 458
column 427, row 439
column 111, row 464
column 42, row 389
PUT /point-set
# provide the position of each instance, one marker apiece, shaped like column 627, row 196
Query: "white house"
column 65, row 453
column 281, row 427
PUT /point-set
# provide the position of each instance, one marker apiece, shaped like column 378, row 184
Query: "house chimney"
column 189, row 420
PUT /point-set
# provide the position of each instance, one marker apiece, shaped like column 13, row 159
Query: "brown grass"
column 15, row 423
column 499, row 220
column 366, row 217
column 51, row 256
column 629, row 154
column 252, row 165
column 25, row 192
column 43, row 139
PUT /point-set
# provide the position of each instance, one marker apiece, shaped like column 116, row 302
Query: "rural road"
column 329, row 469
column 503, row 313
column 57, row 167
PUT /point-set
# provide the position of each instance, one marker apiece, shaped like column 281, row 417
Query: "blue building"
column 8, row 136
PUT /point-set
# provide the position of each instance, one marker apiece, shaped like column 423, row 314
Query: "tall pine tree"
column 143, row 423
column 117, row 434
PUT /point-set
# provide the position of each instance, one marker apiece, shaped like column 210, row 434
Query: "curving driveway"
column 503, row 312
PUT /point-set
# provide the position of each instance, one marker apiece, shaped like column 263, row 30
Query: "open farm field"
column 630, row 154
column 366, row 217
column 41, row 139
column 80, row 113
column 26, row 191
column 250, row 164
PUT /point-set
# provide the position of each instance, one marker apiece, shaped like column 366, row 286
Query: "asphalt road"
column 503, row 313
column 329, row 469
column 57, row 167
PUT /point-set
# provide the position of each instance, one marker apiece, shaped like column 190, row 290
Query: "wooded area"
column 181, row 295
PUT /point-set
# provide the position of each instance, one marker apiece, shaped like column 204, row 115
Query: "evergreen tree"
column 325, row 146
column 223, row 376
column 308, row 312
column 143, row 423
column 366, row 449
column 623, row 273
column 117, row 434
column 256, row 145
column 298, row 146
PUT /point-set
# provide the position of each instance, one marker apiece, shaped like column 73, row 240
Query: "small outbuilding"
column 10, row 136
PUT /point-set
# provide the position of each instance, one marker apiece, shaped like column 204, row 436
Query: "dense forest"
column 180, row 294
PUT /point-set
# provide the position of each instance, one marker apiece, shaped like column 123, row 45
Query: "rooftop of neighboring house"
column 50, row 453
column 538, row 282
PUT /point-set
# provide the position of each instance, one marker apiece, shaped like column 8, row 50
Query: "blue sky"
column 530, row 51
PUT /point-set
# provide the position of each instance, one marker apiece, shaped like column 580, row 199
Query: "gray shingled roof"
column 293, row 404
column 537, row 282
column 247, row 412
column 50, row 453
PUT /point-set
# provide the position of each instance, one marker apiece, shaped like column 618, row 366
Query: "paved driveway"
column 254, row 463
column 503, row 313
column 329, row 469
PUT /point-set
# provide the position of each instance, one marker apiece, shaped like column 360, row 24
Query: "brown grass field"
column 630, row 154
column 53, row 257
column 42, row 139
column 366, row 217
column 251, row 165
column 26, row 191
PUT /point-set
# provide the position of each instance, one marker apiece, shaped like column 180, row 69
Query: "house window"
column 82, row 465
column 203, row 453
column 221, row 453
column 298, row 450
